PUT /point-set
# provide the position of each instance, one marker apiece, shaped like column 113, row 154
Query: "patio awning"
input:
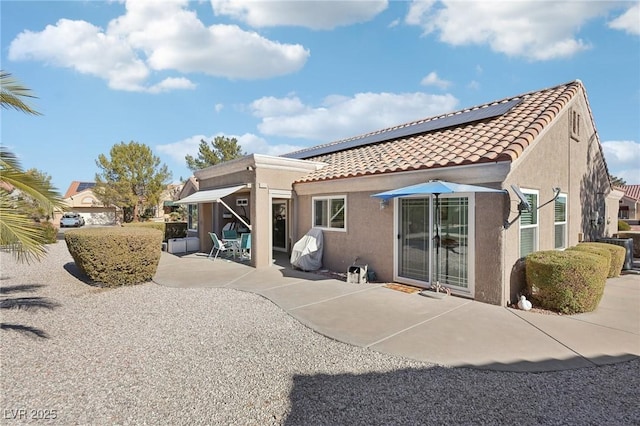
column 436, row 187
column 210, row 195
column 215, row 196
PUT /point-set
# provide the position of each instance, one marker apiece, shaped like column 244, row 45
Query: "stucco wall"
column 574, row 164
column 369, row 235
column 489, row 221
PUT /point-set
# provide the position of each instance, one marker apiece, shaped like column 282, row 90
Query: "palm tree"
column 17, row 231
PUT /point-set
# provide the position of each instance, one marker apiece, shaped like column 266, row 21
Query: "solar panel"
column 85, row 185
column 438, row 123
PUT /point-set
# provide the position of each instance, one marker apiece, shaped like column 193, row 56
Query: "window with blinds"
column 529, row 225
column 560, row 222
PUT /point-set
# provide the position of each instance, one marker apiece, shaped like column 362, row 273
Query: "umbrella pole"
column 438, row 244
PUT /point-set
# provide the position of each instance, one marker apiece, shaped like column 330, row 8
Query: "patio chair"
column 245, row 246
column 218, row 246
column 229, row 234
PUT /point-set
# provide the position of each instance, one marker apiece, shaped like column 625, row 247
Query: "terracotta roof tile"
column 632, row 191
column 501, row 138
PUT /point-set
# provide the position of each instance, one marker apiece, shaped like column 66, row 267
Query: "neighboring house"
column 630, row 202
column 544, row 143
column 166, row 204
column 81, row 199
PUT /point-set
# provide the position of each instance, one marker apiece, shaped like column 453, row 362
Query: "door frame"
column 280, row 197
column 467, row 292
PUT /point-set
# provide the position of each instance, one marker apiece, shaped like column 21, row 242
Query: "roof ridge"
column 433, row 118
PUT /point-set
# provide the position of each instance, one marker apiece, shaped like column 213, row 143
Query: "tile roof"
column 632, row 191
column 76, row 187
column 501, row 138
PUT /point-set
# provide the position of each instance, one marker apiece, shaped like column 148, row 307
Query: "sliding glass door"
column 427, row 252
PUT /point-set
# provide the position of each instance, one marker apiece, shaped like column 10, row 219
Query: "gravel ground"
column 154, row 355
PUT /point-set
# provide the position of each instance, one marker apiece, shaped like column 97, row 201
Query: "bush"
column 568, row 281
column 623, row 226
column 618, row 254
column 153, row 225
column 50, row 232
column 600, row 251
column 169, row 230
column 116, row 256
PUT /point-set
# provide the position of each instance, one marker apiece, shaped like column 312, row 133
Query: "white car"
column 72, row 220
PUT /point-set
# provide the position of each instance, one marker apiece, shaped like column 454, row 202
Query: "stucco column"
column 261, row 255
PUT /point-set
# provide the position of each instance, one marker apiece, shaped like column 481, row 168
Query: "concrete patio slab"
column 451, row 331
column 480, row 335
column 365, row 317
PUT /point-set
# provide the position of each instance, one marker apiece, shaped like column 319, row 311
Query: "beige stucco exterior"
column 560, row 158
column 564, row 158
column 265, row 178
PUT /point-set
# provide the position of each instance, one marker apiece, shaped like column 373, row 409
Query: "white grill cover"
column 307, row 252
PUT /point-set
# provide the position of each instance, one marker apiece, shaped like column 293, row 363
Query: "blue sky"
column 280, row 76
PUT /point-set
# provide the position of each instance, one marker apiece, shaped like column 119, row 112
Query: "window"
column 529, row 225
column 329, row 212
column 192, row 216
column 560, row 221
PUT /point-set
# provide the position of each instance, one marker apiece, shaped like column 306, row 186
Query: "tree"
column 18, row 231
column 32, row 207
column 132, row 178
column 616, row 181
column 222, row 149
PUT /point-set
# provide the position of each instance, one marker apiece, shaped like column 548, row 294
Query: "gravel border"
column 149, row 354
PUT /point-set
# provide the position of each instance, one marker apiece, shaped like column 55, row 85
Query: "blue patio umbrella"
column 435, row 187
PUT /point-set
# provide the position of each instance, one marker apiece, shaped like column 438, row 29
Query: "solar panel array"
column 85, row 185
column 443, row 122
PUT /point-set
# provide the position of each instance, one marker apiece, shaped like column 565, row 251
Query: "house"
column 81, row 199
column 540, row 150
column 630, row 203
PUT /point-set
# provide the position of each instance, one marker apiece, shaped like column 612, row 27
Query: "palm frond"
column 12, row 92
column 18, row 233
column 12, row 174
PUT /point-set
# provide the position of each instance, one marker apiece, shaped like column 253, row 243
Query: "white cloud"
column 623, row 159
column 530, row 29
column 432, row 79
column 157, row 36
column 250, row 143
column 169, row 84
column 340, row 116
column 628, row 21
column 317, row 15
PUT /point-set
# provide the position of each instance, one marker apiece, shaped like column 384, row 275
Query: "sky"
column 283, row 75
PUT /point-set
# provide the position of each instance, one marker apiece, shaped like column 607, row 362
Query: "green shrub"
column 600, row 251
column 618, row 254
column 116, row 256
column 154, row 225
column 623, row 226
column 569, row 281
column 169, row 230
column 50, row 232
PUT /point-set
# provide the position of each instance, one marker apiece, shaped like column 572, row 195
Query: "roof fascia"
column 484, row 173
column 258, row 161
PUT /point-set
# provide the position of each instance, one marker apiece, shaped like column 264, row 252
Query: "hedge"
column 618, row 255
column 623, row 226
column 600, row 251
column 169, row 230
column 116, row 256
column 569, row 281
